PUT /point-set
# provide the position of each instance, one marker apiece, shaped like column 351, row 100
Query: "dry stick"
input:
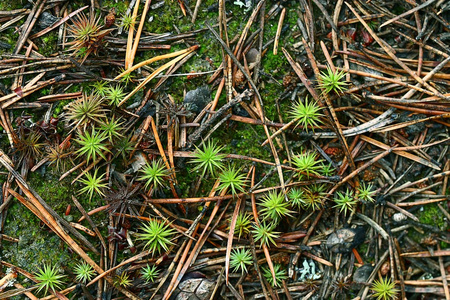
column 169, row 269
column 65, row 237
column 421, row 202
column 417, row 8
column 6, row 162
column 193, row 137
column 63, row 20
column 374, row 225
column 331, row 114
column 255, row 217
column 408, row 184
column 410, row 93
column 12, row 137
column 10, row 22
column 435, row 253
column 55, row 220
column 154, row 74
column 161, row 151
column 29, row 24
column 443, row 274
column 278, row 33
column 197, row 247
column 123, row 263
column 403, row 211
column 130, row 36
column 19, row 80
column 138, row 34
column 260, row 106
column 239, row 46
column 36, row 87
column 395, row 58
column 334, row 36
column 195, row 227
column 395, row 250
column 387, row 79
column 420, row 59
column 154, row 59
column 194, row 14
column 86, row 216
column 360, row 169
column 230, row 236
column 399, row 152
column 434, row 50
column 29, row 88
column 353, row 131
column 38, row 63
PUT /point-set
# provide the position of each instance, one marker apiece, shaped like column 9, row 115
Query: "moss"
column 119, row 6
column 37, row 244
column 49, row 42
column 12, row 4
column 274, row 63
column 432, row 215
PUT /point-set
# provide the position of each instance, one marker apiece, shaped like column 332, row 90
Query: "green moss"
column 37, row 244
column 48, row 43
column 432, row 215
column 11, row 4
column 119, row 6
column 274, row 63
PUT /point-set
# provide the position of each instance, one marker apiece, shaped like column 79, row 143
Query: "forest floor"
column 217, row 149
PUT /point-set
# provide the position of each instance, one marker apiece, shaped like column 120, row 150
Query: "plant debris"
column 219, row 149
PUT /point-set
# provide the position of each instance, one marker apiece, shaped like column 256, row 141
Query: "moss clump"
column 432, row 215
column 36, row 245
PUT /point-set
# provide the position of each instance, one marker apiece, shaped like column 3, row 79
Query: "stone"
column 46, row 20
column 345, row 239
column 196, row 100
column 362, row 274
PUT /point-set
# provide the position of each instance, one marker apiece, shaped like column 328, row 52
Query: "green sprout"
column 280, row 274
column 274, row 206
column 365, row 192
column 29, row 147
column 149, row 273
column 208, row 159
column 296, row 196
column 127, row 21
column 314, row 196
column 87, row 34
column 306, row 115
column 114, row 95
column 92, row 144
column 122, row 280
column 59, row 157
column 154, row 174
column 327, row 170
column 127, row 78
column 230, row 179
column 86, row 110
column 93, row 184
column 156, row 236
column 112, row 129
column 48, row 278
column 384, row 289
column 242, row 224
column 265, row 234
column 84, row 272
column 240, row 258
column 332, row 81
column 123, row 146
column 100, row 88
column 307, row 163
column 345, row 201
